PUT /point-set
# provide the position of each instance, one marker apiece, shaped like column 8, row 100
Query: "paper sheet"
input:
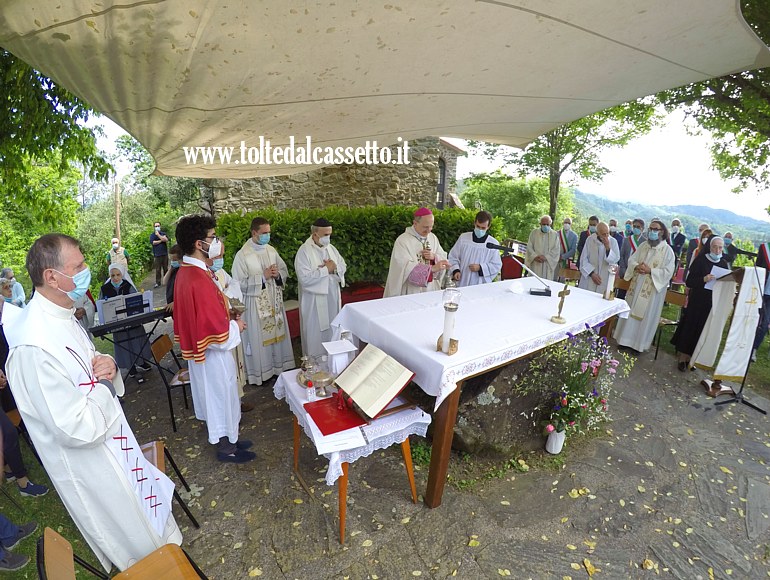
column 718, row 273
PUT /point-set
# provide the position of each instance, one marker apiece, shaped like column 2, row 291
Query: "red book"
column 330, row 419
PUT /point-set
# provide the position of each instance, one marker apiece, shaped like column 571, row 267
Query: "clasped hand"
column 271, row 272
column 104, row 367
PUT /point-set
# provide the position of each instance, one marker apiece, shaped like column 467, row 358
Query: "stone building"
column 429, row 179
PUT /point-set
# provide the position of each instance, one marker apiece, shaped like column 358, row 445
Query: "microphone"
column 109, row 385
column 545, row 291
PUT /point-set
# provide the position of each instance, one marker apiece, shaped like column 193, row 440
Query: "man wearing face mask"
column 207, row 333
column 159, row 241
column 616, row 233
column 543, row 250
column 649, row 270
column 66, row 394
column 699, row 301
column 567, row 243
column 732, row 251
column 677, row 241
column 261, row 272
column 117, row 254
column 470, row 261
column 17, row 290
column 593, row 221
column 321, row 273
column 599, row 253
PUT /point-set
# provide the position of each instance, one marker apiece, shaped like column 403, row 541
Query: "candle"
column 450, row 299
column 608, row 293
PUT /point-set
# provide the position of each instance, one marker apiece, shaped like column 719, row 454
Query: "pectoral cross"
column 563, row 294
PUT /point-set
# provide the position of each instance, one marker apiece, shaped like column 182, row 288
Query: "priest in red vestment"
column 206, row 333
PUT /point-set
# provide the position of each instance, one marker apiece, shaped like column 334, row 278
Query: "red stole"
column 201, row 316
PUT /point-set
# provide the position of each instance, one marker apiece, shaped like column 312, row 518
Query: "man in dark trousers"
column 159, row 241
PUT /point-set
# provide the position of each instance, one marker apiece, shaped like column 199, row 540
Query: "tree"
column 40, row 122
column 518, row 203
column 735, row 109
column 574, row 147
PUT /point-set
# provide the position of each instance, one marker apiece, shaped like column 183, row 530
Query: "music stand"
column 738, row 397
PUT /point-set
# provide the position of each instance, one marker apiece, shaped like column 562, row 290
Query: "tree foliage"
column 517, row 203
column 735, row 110
column 40, row 122
column 573, row 149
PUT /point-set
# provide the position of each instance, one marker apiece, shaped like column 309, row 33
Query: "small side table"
column 347, row 446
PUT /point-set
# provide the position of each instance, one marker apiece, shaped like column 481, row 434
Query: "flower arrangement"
column 583, row 370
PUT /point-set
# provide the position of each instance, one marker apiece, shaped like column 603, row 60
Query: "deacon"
column 471, row 262
column 321, row 273
column 599, row 253
column 66, row 394
column 543, row 250
column 261, row 272
column 567, row 243
column 417, row 261
column 206, row 335
column 649, row 269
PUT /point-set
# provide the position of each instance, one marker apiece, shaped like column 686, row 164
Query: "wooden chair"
column 677, row 299
column 569, row 275
column 156, row 453
column 56, row 561
column 160, row 347
column 342, row 482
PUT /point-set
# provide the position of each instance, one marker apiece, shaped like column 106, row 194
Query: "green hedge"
column 364, row 235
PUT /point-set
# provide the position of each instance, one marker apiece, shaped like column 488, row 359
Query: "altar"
column 495, row 325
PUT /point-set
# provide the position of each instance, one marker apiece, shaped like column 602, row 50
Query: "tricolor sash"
column 634, row 243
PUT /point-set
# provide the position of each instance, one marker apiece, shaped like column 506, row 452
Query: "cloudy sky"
column 666, row 167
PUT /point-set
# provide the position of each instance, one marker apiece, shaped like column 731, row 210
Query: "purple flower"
column 611, row 371
column 583, row 367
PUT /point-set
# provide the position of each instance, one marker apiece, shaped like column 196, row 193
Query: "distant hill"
column 720, row 220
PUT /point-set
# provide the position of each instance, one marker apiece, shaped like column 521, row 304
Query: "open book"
column 373, row 380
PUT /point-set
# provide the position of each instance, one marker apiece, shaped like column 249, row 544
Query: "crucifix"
column 558, row 318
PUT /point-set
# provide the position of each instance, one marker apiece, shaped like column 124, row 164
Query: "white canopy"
column 218, row 72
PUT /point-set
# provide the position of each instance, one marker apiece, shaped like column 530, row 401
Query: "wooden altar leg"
column 443, row 430
column 406, row 450
column 296, row 443
column 342, row 492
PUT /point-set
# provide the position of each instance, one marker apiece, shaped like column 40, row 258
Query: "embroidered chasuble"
column 119, row 501
column 407, row 257
column 540, row 244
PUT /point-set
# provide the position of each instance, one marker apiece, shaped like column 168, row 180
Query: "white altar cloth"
column 352, row 444
column 495, row 323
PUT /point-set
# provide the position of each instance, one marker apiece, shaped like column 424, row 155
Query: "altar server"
column 66, row 394
column 470, row 261
column 321, row 273
column 417, row 262
column 543, row 251
column 649, row 269
column 599, row 253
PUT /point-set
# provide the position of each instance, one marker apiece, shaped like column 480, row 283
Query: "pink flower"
column 550, row 428
column 571, row 423
column 611, row 371
column 596, row 363
column 583, row 367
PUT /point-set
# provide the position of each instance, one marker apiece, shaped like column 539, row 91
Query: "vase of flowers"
column 584, row 368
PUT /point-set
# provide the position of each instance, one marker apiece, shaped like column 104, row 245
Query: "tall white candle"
column 612, row 270
column 449, row 325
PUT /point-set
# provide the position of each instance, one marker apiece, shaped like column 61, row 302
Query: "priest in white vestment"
column 261, row 272
column 119, row 501
column 320, row 271
column 470, row 261
column 417, row 262
column 650, row 269
column 599, row 253
column 543, row 250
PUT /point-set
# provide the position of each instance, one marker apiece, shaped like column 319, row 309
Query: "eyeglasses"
column 655, row 229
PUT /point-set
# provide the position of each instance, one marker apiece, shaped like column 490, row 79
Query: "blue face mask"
column 545, row 229
column 714, row 257
column 263, row 239
column 637, row 231
column 8, row 299
column 82, row 281
column 116, row 285
column 629, row 231
column 591, row 229
column 652, row 235
column 479, row 233
column 728, row 241
column 174, row 263
column 218, row 264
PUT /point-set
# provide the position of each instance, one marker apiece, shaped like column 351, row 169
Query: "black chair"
column 677, row 299
column 160, row 347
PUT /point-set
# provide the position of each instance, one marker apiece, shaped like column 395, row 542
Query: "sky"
column 666, row 167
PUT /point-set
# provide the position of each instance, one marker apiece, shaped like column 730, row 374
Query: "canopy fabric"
column 218, row 72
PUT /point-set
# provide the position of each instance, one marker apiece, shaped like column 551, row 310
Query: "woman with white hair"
column 128, row 342
column 6, row 289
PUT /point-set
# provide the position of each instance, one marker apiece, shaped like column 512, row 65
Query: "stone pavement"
column 674, row 484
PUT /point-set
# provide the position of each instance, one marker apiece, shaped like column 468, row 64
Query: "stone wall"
column 351, row 185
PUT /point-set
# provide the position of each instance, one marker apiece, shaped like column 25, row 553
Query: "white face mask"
column 215, row 248
column 674, row 229
column 324, row 241
column 567, row 227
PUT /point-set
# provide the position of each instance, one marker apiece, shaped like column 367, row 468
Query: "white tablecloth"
column 352, row 444
column 495, row 323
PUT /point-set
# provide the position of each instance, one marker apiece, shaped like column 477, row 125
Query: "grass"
column 759, row 372
column 47, row 511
